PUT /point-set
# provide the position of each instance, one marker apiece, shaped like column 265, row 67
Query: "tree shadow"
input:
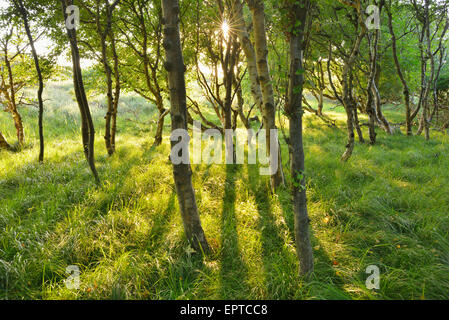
column 179, row 274
column 233, row 270
column 178, row 277
column 161, row 225
column 43, row 195
column 276, row 257
column 325, row 273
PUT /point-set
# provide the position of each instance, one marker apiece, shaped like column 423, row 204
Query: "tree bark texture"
column 176, row 77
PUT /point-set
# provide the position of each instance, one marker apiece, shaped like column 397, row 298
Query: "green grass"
column 387, row 206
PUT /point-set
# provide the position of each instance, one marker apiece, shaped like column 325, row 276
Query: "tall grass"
column 388, row 206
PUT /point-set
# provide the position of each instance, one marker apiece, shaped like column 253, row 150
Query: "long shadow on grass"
column 325, row 283
column 277, row 259
column 162, row 224
column 176, row 278
column 36, row 179
column 48, row 206
column 233, row 271
column 179, row 276
column 37, row 195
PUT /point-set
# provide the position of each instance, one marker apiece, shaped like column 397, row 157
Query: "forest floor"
column 388, row 206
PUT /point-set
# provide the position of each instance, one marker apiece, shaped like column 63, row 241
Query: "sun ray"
column 225, row 28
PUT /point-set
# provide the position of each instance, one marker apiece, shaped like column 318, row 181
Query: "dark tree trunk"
column 250, row 53
column 160, row 122
column 406, row 91
column 182, row 173
column 12, row 104
column 295, row 113
column 372, row 119
column 442, row 53
column 371, row 104
column 351, row 136
column 105, row 32
column 240, row 104
column 383, row 122
column 422, row 95
column 357, row 124
column 428, row 114
column 229, row 65
column 87, row 126
column 370, row 109
column 346, row 98
column 426, row 111
column 355, row 111
column 24, row 13
column 117, row 90
column 348, row 102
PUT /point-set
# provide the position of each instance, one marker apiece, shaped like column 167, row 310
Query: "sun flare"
column 225, row 28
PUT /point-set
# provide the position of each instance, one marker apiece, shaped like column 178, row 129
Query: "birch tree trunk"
column 24, row 13
column 105, row 32
column 109, row 83
column 370, row 106
column 87, row 126
column 383, row 122
column 182, row 173
column 406, row 91
column 117, row 90
column 11, row 98
column 355, row 111
column 434, row 72
column 269, row 113
column 295, row 113
column 250, row 54
column 348, row 102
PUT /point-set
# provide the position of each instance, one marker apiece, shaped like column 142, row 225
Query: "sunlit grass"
column 387, row 206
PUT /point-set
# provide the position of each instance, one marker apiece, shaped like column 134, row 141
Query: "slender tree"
column 24, row 15
column 102, row 15
column 406, row 89
column 347, row 83
column 298, row 15
column 375, row 70
column 9, row 85
column 178, row 99
column 428, row 54
column 140, row 27
column 269, row 110
column 250, row 53
column 87, row 125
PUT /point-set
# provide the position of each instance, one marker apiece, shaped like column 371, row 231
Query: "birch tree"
column 257, row 8
column 298, row 11
column 175, row 67
column 24, row 13
column 87, row 125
